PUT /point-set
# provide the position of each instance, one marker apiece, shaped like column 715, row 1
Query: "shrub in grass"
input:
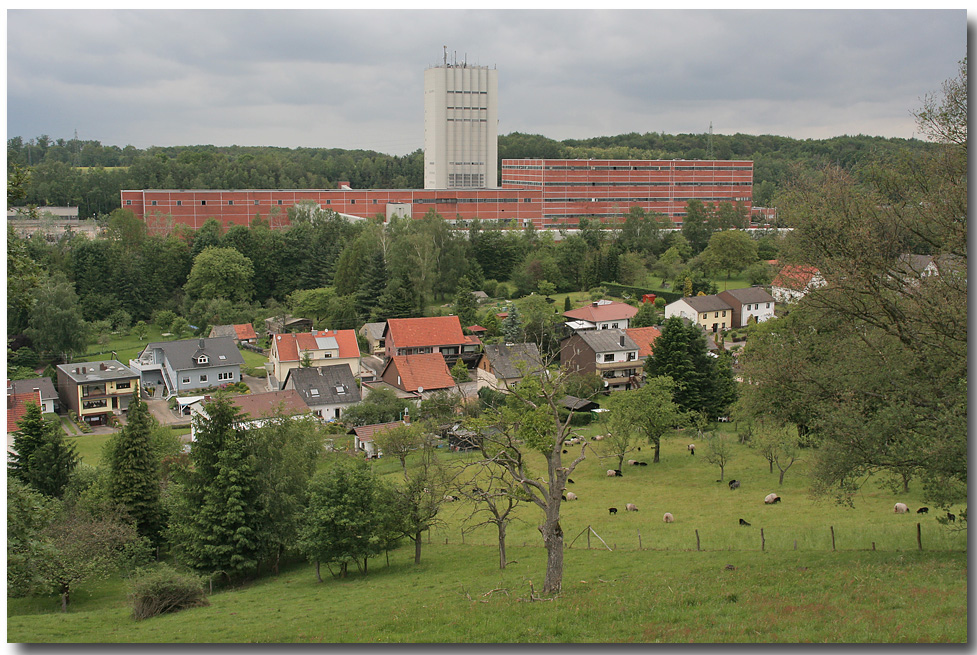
column 163, row 589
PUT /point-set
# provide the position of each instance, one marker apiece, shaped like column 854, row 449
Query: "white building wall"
column 461, row 119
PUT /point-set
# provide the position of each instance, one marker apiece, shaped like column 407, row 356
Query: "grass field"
column 663, row 591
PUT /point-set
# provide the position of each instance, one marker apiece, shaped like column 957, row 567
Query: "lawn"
column 787, row 584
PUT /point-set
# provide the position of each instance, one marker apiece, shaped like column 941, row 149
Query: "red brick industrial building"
column 547, row 193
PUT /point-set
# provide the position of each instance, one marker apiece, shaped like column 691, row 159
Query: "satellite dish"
column 420, row 389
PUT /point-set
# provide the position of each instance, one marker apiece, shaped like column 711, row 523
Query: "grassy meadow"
column 663, row 591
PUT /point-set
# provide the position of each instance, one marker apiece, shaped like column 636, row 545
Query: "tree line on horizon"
column 90, row 175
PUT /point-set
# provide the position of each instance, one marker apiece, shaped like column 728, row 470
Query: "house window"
column 225, row 376
column 717, row 315
column 154, row 203
column 352, row 202
column 203, row 378
column 123, row 385
column 179, row 203
column 230, row 202
column 329, row 202
column 705, row 316
column 614, row 325
column 128, row 202
column 255, row 202
column 185, row 381
column 768, row 305
column 279, row 202
column 314, row 392
column 340, row 389
column 609, row 357
column 724, row 314
column 203, row 202
column 632, row 356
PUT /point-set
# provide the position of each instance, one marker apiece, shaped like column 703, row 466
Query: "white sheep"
column 901, row 508
column 668, row 518
column 771, row 499
column 611, row 473
column 631, row 507
column 599, row 437
column 632, row 462
column 571, row 496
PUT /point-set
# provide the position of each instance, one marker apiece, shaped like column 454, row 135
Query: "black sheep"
column 612, row 510
column 570, row 480
column 642, row 463
column 952, row 518
column 742, row 522
column 618, row 473
column 923, row 510
column 734, row 484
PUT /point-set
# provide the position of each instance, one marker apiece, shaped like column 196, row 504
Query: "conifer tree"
column 512, row 326
column 43, row 458
column 466, row 307
column 134, row 474
column 374, row 282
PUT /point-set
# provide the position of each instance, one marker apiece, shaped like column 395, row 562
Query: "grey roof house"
column 49, row 395
column 327, row 390
column 505, row 364
column 173, row 368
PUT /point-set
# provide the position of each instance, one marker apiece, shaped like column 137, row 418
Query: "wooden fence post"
column 919, row 536
column 639, row 539
column 832, row 537
column 795, row 544
column 873, row 545
column 697, row 540
column 763, row 540
column 588, row 537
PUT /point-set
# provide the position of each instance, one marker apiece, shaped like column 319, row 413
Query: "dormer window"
column 340, row 389
column 202, row 359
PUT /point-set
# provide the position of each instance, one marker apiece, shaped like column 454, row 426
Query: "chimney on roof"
column 622, row 340
column 201, row 343
column 593, row 304
column 314, row 332
column 102, row 367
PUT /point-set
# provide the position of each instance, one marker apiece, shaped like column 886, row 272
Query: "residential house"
column 601, row 315
column 96, row 391
column 243, row 333
column 610, row 353
column 363, row 437
column 315, row 348
column 435, row 334
column 794, row 281
column 374, row 336
column 17, row 408
column 711, row 312
column 327, row 390
column 752, row 302
column 176, row 368
column 255, row 409
column 287, row 323
column 44, row 386
column 424, row 374
column 645, row 338
column 503, row 365
column 480, row 296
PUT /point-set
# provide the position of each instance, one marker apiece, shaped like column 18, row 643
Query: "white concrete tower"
column 461, row 127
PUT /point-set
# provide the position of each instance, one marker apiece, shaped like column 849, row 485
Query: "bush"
column 163, row 589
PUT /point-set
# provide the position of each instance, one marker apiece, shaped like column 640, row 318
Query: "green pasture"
column 459, row 595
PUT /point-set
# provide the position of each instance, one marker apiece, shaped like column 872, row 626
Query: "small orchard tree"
column 418, row 501
column 719, row 450
column 648, row 410
column 400, row 441
column 494, row 496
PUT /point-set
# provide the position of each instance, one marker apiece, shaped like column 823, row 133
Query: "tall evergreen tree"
column 134, row 474
column 43, row 458
column 374, row 281
column 398, row 300
column 512, row 326
column 680, row 353
column 466, row 307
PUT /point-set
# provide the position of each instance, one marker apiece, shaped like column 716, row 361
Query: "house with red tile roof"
column 644, row 337
column 243, row 333
column 424, row 373
column 794, row 281
column 323, row 347
column 601, row 315
column 434, row 334
column 256, row 409
column 17, row 407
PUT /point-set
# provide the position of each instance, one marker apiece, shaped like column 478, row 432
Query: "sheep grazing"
column 570, row 480
column 571, row 496
column 599, row 437
column 900, row 508
column 952, row 518
column 734, row 484
column 564, row 497
column 742, row 522
column 618, row 473
column 642, row 463
column 632, row 462
column 451, row 499
column 692, row 449
column 611, row 473
column 612, row 510
column 923, row 510
column 771, row 499
column 631, row 507
column 668, row 518
column 564, row 452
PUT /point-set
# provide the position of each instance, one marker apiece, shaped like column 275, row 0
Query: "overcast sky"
column 354, row 79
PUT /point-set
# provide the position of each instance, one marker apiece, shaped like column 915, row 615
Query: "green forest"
column 89, row 175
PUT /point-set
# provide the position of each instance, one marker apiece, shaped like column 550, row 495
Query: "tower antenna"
column 709, row 147
column 446, row 56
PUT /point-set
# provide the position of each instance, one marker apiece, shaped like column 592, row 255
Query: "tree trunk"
column 722, row 473
column 64, row 597
column 553, row 540
column 417, row 547
column 771, row 465
column 342, row 569
column 364, row 565
column 782, row 471
column 501, row 545
column 658, row 445
column 317, row 575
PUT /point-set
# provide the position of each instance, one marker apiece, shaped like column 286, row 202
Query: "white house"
column 752, row 302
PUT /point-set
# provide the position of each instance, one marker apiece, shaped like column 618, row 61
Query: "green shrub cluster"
column 619, row 290
column 163, row 589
